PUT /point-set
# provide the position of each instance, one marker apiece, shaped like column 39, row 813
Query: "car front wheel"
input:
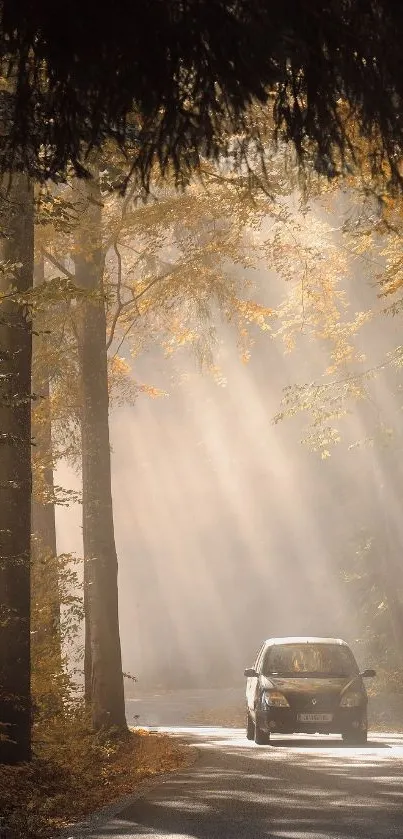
column 261, row 737
column 250, row 728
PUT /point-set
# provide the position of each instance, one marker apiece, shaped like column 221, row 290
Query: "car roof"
column 305, row 639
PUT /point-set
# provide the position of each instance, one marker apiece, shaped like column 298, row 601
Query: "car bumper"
column 286, row 720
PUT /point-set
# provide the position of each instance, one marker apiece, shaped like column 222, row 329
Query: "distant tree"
column 354, row 398
column 366, row 248
column 44, row 548
column 140, row 270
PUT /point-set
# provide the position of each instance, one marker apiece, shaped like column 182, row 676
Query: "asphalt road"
column 182, row 707
column 296, row 788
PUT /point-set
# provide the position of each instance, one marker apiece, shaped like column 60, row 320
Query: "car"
column 306, row 685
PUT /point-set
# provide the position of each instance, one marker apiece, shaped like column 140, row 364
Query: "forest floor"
column 66, row 782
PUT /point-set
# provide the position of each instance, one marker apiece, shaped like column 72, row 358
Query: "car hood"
column 308, row 684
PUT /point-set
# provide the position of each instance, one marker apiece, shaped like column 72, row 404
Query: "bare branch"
column 125, row 334
column 120, row 304
column 112, row 241
column 119, row 261
column 55, row 262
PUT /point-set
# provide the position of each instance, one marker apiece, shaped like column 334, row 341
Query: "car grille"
column 313, row 703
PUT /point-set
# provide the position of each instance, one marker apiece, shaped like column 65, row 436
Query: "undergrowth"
column 74, row 772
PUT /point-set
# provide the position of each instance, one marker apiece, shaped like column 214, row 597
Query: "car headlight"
column 352, row 700
column 274, row 699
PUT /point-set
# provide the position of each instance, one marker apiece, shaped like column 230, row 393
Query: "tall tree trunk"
column 17, row 228
column 45, row 578
column 43, row 508
column 103, row 658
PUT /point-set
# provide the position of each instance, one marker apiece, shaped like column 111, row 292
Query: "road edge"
column 100, row 817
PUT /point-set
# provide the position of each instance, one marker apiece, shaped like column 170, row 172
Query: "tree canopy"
column 174, row 81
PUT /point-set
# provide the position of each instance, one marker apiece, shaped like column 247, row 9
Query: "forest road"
column 299, row 787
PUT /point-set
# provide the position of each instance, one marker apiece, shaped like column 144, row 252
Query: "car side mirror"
column 250, row 672
column 368, row 674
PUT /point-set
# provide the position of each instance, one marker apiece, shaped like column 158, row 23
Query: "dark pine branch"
column 171, row 85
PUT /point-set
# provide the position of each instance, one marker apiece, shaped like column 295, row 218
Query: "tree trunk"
column 43, row 508
column 103, row 658
column 17, row 226
column 45, row 594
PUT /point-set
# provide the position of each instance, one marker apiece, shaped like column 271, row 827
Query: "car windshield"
column 309, row 660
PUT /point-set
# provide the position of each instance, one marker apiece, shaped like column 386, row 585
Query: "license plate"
column 315, row 717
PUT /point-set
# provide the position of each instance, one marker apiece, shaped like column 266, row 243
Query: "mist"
column 228, row 529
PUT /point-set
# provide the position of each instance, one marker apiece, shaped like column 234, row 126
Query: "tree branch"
column 56, row 264
column 120, row 304
column 119, row 283
column 136, row 298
